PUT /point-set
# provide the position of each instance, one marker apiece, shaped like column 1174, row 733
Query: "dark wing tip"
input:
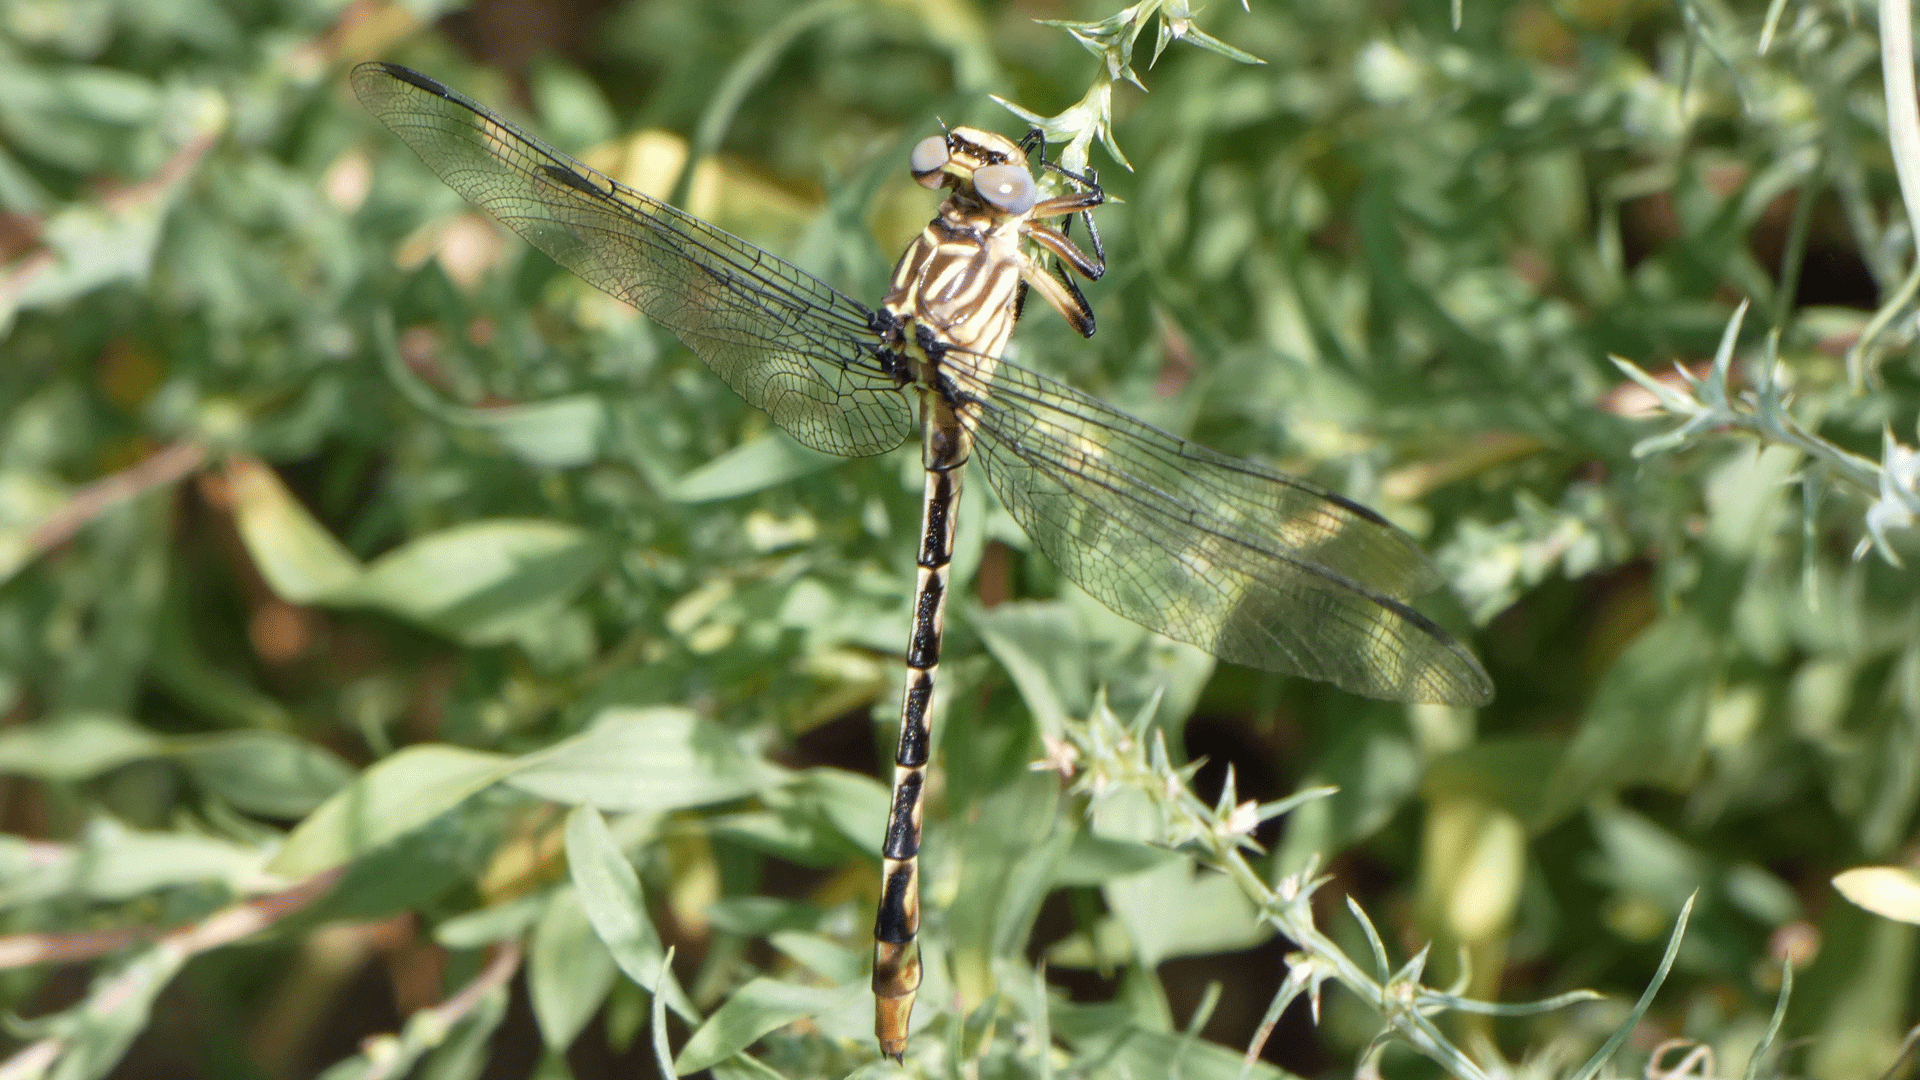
column 404, row 74
column 1453, row 675
column 1467, row 684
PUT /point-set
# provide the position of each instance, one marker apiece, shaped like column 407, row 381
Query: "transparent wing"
column 783, row 339
column 1255, row 566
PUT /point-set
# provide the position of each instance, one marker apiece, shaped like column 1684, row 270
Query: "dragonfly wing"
column 783, row 339
column 1257, row 567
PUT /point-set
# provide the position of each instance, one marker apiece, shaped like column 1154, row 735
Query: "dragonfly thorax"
column 960, row 279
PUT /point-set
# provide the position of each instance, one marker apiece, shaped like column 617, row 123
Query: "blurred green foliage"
column 367, row 581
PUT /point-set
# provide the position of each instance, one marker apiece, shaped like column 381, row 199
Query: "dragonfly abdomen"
column 896, row 957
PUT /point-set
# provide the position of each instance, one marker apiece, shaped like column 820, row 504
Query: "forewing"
column 1255, row 566
column 783, row 339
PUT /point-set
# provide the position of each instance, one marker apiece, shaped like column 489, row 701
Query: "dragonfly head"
column 981, row 167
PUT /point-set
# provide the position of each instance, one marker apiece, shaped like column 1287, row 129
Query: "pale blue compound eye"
column 1006, row 187
column 929, row 155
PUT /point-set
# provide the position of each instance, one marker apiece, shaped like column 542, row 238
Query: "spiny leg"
column 896, row 953
column 1090, row 195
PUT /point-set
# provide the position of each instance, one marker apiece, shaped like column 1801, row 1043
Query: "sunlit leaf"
column 297, row 556
column 747, row 468
column 568, row 970
column 609, row 893
column 75, row 747
column 1889, row 891
column 265, row 772
column 476, row 581
column 755, row 1009
column 396, row 795
column 644, row 759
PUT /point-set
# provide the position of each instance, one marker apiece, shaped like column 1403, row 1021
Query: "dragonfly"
column 1251, row 564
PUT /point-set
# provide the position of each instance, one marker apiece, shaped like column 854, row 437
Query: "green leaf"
column 754, row 466
column 1130, row 1050
column 826, row 957
column 1041, row 645
column 481, row 583
column 1744, row 497
column 560, row 433
column 572, row 109
column 488, row 925
column 1175, row 911
column 855, row 805
column 265, row 772
column 755, row 1009
column 1647, row 723
column 609, row 893
column 657, row 1020
column 93, row 246
column 1511, row 772
column 114, row 863
column 661, row 758
column 477, row 582
column 75, row 747
column 1093, row 860
column 262, row 772
column 413, row 871
column 1006, row 848
column 398, row 794
column 791, row 833
column 568, row 971
column 741, row 1066
column 300, row 559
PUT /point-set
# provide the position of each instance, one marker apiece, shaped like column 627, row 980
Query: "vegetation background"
column 412, row 661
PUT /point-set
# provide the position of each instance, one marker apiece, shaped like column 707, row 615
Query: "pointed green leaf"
column 75, row 747
column 755, row 1009
column 265, row 772
column 662, row 758
column 610, row 894
column 487, row 925
column 568, row 971
column 296, row 554
column 477, row 581
column 753, row 466
column 395, row 796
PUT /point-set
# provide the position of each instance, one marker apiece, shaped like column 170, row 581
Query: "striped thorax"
column 953, row 300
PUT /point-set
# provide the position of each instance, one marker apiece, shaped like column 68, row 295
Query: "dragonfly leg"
column 1061, row 294
column 1093, row 231
column 1056, row 242
column 1083, row 201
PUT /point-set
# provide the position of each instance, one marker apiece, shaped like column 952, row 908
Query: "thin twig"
column 162, row 467
column 121, row 200
column 499, row 970
column 223, row 927
column 25, row 950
